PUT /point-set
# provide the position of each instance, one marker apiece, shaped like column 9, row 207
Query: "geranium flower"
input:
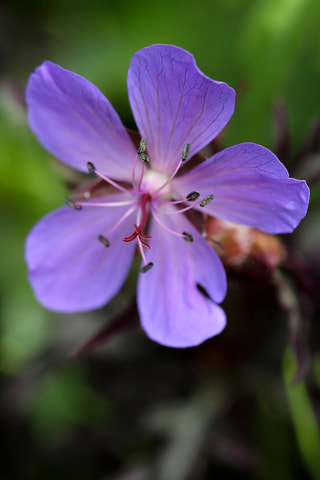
column 79, row 257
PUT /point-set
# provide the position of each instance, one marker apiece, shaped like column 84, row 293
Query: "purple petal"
column 250, row 187
column 76, row 123
column 172, row 309
column 69, row 269
column 174, row 103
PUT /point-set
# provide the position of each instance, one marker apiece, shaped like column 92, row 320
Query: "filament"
column 92, row 169
column 157, row 219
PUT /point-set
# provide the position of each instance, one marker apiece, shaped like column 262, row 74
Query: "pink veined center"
column 151, row 191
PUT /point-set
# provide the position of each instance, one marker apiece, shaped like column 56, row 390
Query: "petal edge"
column 75, row 122
column 174, row 103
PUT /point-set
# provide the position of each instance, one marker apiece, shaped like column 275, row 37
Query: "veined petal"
column 174, row 103
column 173, row 311
column 250, row 187
column 76, row 123
column 69, row 269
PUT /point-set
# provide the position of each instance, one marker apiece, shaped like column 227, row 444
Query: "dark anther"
column 191, row 197
column 143, row 157
column 187, row 236
column 185, row 152
column 73, row 205
column 146, row 267
column 91, row 168
column 105, row 242
column 206, row 200
column 142, row 146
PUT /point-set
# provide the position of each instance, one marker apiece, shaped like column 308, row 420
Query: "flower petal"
column 173, row 311
column 69, row 269
column 250, row 187
column 174, row 103
column 76, row 123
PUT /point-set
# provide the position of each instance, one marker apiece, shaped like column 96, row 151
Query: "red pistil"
column 139, row 228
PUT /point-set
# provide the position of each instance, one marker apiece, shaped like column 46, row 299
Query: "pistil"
column 145, row 198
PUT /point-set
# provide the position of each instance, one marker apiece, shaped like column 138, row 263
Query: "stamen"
column 72, row 204
column 142, row 252
column 170, row 202
column 144, row 157
column 187, row 237
column 105, row 204
column 141, row 177
column 133, row 174
column 206, row 200
column 141, row 151
column 146, row 267
column 124, row 216
column 192, row 196
column 164, row 226
column 92, row 170
column 105, row 242
column 169, row 179
column 142, row 146
column 174, row 212
column 185, row 152
column 184, row 156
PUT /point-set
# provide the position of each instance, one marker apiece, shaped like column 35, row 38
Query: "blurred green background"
column 133, row 409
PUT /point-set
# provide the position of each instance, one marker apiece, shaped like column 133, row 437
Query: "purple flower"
column 78, row 258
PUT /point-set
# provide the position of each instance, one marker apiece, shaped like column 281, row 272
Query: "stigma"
column 138, row 229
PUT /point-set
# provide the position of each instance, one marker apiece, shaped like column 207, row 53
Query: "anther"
column 142, row 146
column 146, row 267
column 91, row 168
column 185, row 152
column 192, row 196
column 143, row 157
column 105, row 242
column 206, row 200
column 187, row 237
column 72, row 204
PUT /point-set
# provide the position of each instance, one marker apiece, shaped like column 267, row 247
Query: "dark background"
column 244, row 405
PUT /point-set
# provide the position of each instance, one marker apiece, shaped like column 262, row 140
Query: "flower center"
column 151, row 192
column 153, row 181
